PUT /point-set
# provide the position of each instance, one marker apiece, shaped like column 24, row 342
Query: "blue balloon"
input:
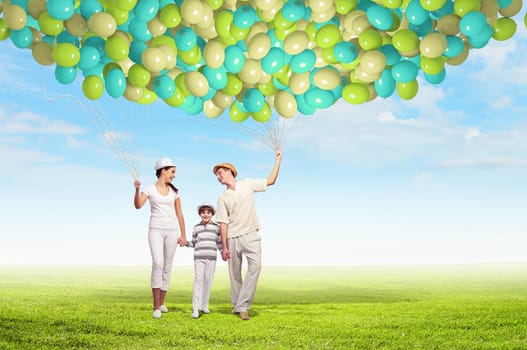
column 21, row 3
column 302, row 106
column 253, row 100
column 436, row 78
column 319, row 98
column 139, row 30
column 473, row 23
column 65, row 75
column 146, row 10
column 273, row 61
column 454, row 47
column 164, row 86
column 234, row 59
column 90, row 58
column 385, row 85
column 346, row 52
column 185, row 38
column 136, row 51
column 89, row 7
column 96, row 42
column 482, row 39
column 416, row 14
column 294, row 10
column 196, row 107
column 244, row 17
column 115, row 83
column 65, row 37
column 217, row 77
column 447, row 8
column 423, row 28
column 97, row 70
column 392, row 55
column 404, row 71
column 504, row 3
column 60, row 9
column 275, row 42
column 380, row 17
column 22, row 38
column 303, row 62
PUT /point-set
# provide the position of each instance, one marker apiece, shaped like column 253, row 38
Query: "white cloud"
column 27, row 122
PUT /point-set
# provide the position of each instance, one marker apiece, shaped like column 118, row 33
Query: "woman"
column 163, row 233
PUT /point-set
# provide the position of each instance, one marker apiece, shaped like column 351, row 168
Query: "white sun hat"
column 163, row 163
column 206, row 205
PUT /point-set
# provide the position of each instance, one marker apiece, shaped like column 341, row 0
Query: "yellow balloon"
column 207, row 21
column 512, row 9
column 296, row 42
column 192, row 11
column 102, row 24
column 320, row 5
column 299, row 83
column 36, row 7
column 347, row 21
column 449, row 24
column 259, row 46
column 214, row 54
column 221, row 99
column 211, row 110
column 285, row 104
column 373, row 61
column 433, row 45
column 15, row 17
column 133, row 93
column 170, row 56
column 196, row 83
column 360, row 24
column 156, row 26
column 42, row 53
column 327, row 78
column 153, row 59
column 76, row 25
column 251, row 72
column 457, row 60
column 365, row 77
column 265, row 5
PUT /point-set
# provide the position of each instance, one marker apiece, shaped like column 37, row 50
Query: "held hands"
column 182, row 241
column 225, row 254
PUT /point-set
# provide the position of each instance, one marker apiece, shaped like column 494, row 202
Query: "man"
column 236, row 214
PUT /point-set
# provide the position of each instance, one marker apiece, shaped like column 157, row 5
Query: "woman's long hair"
column 158, row 174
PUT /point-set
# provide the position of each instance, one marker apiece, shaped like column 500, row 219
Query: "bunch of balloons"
column 252, row 56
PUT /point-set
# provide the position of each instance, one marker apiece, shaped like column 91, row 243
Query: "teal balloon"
column 115, row 83
column 275, row 42
column 423, row 28
column 22, row 38
column 380, row 17
column 21, row 3
column 90, row 57
column 273, row 61
column 136, row 51
column 253, row 100
column 416, row 14
column 436, row 78
column 454, row 47
column 60, row 9
column 194, row 108
column 346, row 52
column 146, row 10
column 244, row 17
column 447, row 8
column 482, row 39
column 96, row 42
column 404, row 71
column 319, row 98
column 185, row 38
column 385, row 85
column 65, row 75
column 303, row 62
column 139, row 30
column 504, row 3
column 65, row 37
column 390, row 52
column 473, row 23
column 89, row 7
column 279, row 85
column 210, row 94
column 217, row 77
column 164, row 86
column 97, row 70
column 294, row 10
column 304, row 107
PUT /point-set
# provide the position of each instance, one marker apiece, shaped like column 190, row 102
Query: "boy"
column 206, row 241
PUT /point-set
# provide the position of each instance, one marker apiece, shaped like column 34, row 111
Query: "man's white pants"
column 243, row 290
column 203, row 276
column 163, row 244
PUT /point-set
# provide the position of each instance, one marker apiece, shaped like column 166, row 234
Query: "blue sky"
column 437, row 179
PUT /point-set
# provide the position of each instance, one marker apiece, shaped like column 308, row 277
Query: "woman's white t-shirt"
column 162, row 209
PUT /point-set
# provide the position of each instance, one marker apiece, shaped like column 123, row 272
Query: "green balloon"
column 138, row 75
column 328, row 36
column 504, row 28
column 356, row 93
column 432, row 5
column 116, row 48
column 49, row 25
column 370, row 39
column 177, row 99
column 66, row 54
column 408, row 90
column 4, row 30
column 93, row 87
column 432, row 66
column 263, row 114
column 405, row 40
column 234, row 85
column 170, row 15
column 236, row 114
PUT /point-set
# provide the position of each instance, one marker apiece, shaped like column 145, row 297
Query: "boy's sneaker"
column 163, row 308
column 195, row 314
column 206, row 311
column 156, row 314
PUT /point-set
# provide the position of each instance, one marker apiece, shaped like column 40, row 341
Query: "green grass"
column 413, row 307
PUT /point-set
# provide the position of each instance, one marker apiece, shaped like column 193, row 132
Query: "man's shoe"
column 206, row 311
column 163, row 308
column 195, row 314
column 244, row 315
column 156, row 314
column 234, row 312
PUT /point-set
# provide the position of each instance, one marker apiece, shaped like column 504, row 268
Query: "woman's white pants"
column 163, row 244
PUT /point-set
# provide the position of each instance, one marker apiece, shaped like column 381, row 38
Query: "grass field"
column 412, row 307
